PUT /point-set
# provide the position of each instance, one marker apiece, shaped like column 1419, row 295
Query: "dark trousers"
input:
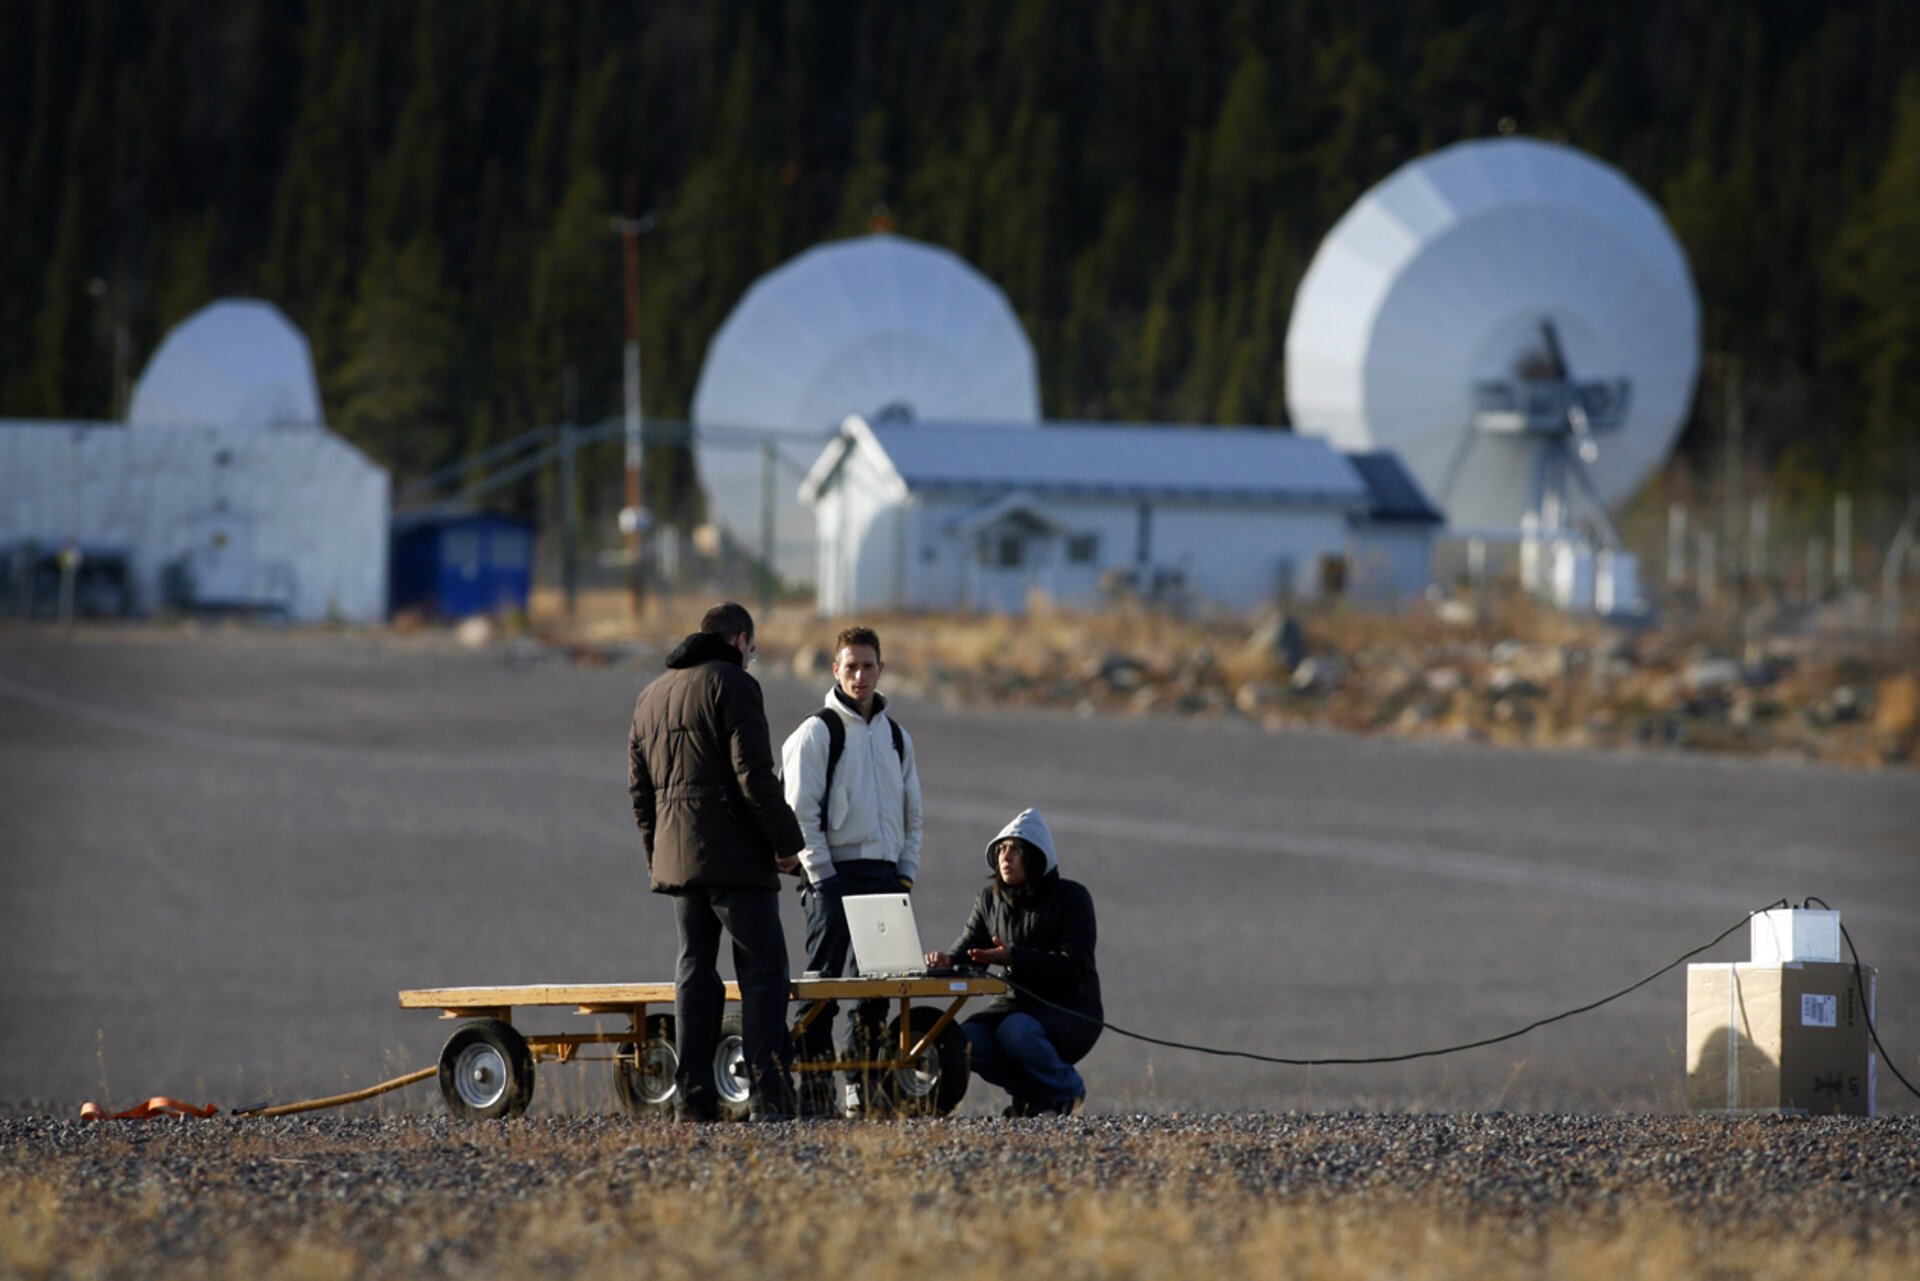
column 751, row 917
column 829, row 945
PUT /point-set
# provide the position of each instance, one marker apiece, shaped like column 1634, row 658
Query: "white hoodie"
column 874, row 812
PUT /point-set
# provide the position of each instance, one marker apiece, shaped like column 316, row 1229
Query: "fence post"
column 1676, row 545
column 569, row 521
column 70, row 559
column 766, row 525
column 1906, row 542
column 1706, row 570
column 1842, row 540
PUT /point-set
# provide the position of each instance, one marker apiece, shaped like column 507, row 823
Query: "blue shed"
column 457, row 564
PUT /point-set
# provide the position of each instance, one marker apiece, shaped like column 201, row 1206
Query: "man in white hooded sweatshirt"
column 859, row 810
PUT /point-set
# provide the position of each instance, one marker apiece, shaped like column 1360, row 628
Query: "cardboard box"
column 1786, row 1039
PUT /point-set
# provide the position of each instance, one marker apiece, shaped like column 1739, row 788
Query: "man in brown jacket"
column 718, row 833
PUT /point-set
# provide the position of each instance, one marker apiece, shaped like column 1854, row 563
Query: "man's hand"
column 938, row 960
column 998, row 954
column 906, row 883
column 788, row 865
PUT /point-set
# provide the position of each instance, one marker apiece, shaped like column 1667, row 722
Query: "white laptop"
column 886, row 942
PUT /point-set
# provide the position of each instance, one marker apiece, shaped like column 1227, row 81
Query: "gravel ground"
column 440, row 1197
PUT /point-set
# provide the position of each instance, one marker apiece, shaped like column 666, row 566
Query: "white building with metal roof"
column 935, row 516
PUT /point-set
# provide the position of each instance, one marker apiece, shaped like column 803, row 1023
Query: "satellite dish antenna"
column 238, row 362
column 1544, row 400
column 880, row 326
column 1516, row 321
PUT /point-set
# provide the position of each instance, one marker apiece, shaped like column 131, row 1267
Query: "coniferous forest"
column 427, row 188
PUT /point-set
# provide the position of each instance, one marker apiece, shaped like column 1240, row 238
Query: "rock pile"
column 1518, row 676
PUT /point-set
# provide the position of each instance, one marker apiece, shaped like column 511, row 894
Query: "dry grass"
column 874, row 1201
column 1512, row 673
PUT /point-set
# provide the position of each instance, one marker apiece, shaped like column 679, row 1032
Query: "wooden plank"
column 598, row 997
column 467, row 998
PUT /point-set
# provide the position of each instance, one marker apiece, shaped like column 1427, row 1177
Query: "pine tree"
column 398, row 392
column 1146, row 180
column 1878, row 271
column 576, row 313
column 313, row 259
column 56, row 384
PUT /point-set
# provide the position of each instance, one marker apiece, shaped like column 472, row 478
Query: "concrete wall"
column 287, row 517
column 858, row 565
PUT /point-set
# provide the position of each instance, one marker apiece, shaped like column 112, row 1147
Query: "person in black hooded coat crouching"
column 1041, row 928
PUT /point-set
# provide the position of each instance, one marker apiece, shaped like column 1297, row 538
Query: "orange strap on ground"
column 158, row 1105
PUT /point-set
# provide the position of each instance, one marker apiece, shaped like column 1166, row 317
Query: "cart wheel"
column 644, row 1081
column 934, row 1082
column 730, row 1080
column 486, row 1070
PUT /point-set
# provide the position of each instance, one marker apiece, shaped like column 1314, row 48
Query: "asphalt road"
column 223, row 851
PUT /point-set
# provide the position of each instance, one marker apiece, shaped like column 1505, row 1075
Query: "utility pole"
column 569, row 485
column 634, row 518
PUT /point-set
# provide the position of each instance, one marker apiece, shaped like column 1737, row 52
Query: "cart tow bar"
column 338, row 1100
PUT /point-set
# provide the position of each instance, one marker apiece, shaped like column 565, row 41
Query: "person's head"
column 733, row 624
column 1012, row 859
column 1022, row 857
column 857, row 665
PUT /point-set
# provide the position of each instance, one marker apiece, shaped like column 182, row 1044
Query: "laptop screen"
column 885, row 938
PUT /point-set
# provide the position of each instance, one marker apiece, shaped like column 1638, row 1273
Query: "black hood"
column 704, row 647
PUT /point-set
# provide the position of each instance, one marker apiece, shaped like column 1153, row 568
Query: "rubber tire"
column 730, row 1085
column 639, row 1091
column 938, row 1087
column 486, row 1071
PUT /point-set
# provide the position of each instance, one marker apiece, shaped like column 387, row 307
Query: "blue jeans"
column 1013, row 1052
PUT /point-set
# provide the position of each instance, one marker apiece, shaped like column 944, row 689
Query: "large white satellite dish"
column 1515, row 320
column 234, row 363
column 880, row 326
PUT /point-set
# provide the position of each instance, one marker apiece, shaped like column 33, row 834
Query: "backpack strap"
column 836, row 747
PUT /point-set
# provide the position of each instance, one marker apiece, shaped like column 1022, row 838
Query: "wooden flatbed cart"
column 486, row 1066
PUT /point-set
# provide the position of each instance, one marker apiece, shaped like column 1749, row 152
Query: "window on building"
column 511, row 549
column 1012, row 551
column 1083, row 549
column 460, row 549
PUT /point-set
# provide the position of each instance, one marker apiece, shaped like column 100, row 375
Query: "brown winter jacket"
column 700, row 771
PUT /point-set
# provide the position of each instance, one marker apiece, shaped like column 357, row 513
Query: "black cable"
column 1417, row 1054
column 1866, row 1006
